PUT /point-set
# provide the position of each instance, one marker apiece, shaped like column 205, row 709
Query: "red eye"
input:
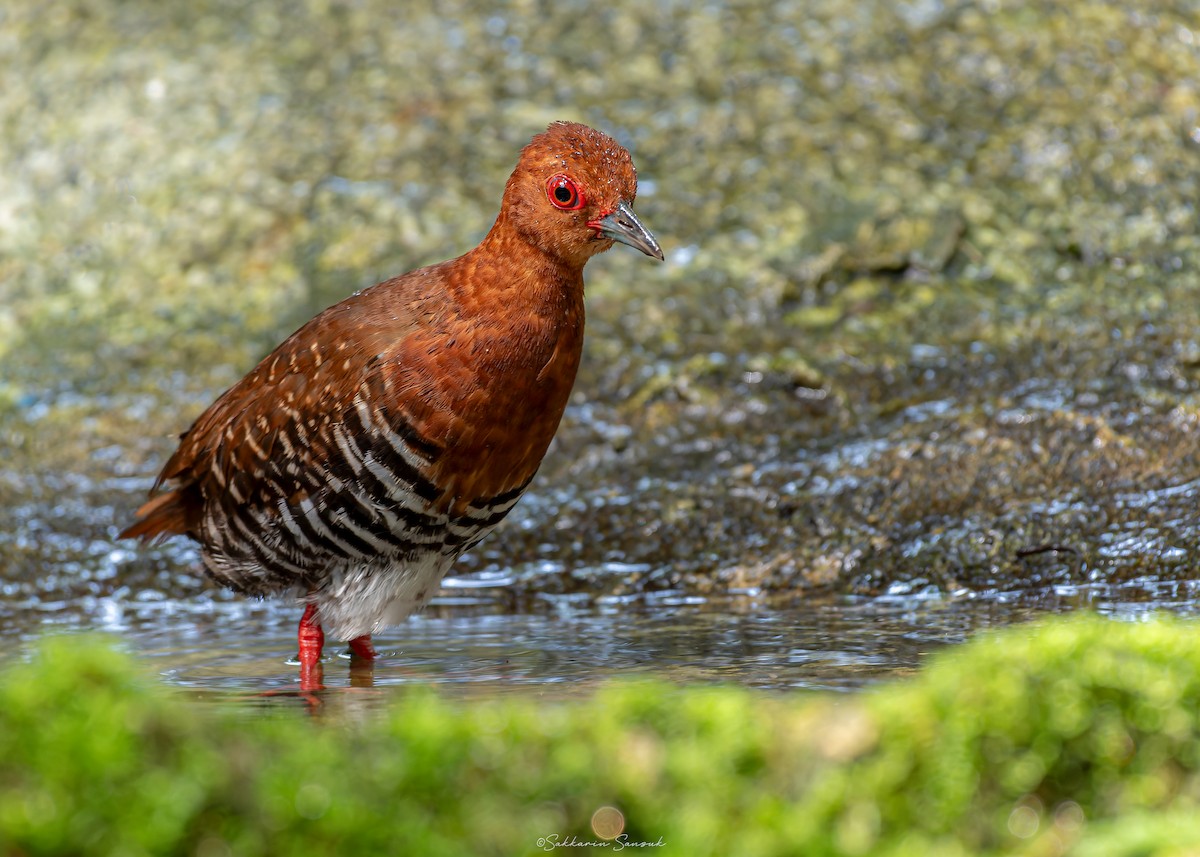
column 564, row 193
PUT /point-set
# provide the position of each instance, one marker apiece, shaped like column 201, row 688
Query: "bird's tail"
column 168, row 514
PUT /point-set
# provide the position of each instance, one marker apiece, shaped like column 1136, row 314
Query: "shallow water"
column 241, row 652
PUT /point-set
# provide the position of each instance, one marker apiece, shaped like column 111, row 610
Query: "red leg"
column 361, row 647
column 310, row 635
column 312, row 641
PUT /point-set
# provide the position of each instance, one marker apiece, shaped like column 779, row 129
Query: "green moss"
column 1068, row 735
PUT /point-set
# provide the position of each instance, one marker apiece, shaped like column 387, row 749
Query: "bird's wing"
column 280, row 431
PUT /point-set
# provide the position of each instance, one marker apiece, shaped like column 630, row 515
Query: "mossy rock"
column 1065, row 736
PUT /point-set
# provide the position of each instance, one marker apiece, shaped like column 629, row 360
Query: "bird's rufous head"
column 572, row 194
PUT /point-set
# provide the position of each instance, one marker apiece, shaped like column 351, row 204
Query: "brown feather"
column 169, row 514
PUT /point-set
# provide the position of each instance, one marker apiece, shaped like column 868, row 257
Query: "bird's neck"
column 520, row 271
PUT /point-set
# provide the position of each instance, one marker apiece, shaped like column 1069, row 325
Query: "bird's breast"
column 504, row 394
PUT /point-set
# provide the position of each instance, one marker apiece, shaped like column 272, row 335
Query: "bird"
column 391, row 433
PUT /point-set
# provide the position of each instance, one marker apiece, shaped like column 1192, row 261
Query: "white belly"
column 364, row 598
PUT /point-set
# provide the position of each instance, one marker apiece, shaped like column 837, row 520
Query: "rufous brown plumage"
column 394, row 430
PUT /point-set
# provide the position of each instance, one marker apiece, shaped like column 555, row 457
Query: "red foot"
column 361, row 647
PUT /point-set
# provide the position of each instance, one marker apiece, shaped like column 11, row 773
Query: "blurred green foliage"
column 1068, row 736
